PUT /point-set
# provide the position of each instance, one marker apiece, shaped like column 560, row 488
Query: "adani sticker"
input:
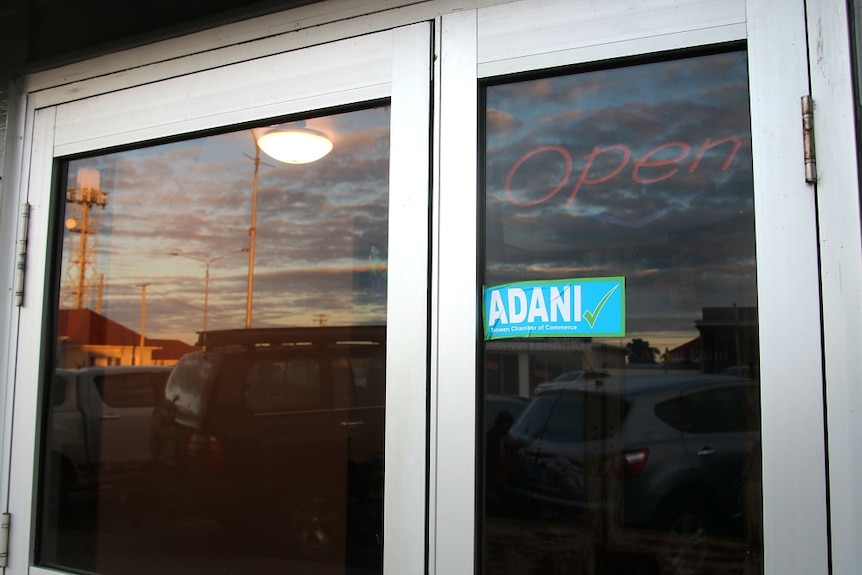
column 589, row 307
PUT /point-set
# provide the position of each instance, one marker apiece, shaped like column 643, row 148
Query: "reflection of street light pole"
column 291, row 146
column 207, row 264
column 143, row 320
column 252, row 232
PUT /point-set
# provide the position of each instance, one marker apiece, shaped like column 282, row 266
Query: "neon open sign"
column 660, row 163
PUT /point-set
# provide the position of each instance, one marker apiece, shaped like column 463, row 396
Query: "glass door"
column 229, row 288
column 634, row 395
column 621, row 361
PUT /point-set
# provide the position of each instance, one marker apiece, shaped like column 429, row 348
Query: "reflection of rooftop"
column 84, row 326
column 719, row 316
column 87, row 338
column 728, row 338
column 299, row 336
column 687, row 347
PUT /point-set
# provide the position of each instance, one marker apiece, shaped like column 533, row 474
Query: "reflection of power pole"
column 83, row 220
column 100, row 294
column 208, row 263
column 143, row 319
column 320, row 319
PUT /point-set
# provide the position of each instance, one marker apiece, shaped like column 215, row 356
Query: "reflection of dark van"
column 280, row 429
column 670, row 451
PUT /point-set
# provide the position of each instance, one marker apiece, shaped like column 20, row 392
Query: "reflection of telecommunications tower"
column 83, row 220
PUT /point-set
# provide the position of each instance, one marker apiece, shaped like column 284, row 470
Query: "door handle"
column 352, row 424
column 706, row 451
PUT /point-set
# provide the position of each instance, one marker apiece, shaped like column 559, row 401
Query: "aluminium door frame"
column 838, row 205
column 532, row 35
column 233, row 88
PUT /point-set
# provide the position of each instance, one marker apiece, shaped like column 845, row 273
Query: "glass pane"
column 636, row 453
column 219, row 390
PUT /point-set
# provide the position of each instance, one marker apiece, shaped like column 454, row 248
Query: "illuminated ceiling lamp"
column 294, row 145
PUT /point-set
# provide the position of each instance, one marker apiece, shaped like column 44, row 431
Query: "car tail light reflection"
column 635, row 461
column 204, row 452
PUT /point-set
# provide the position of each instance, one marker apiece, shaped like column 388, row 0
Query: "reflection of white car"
column 100, row 424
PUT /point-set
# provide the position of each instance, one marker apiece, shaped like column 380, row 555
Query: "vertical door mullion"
column 407, row 326
column 453, row 462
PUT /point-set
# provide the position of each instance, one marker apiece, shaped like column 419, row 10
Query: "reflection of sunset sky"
column 317, row 226
column 683, row 243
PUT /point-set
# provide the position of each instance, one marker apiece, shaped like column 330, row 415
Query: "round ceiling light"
column 295, row 145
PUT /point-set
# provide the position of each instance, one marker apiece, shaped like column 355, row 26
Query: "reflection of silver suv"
column 278, row 429
column 665, row 451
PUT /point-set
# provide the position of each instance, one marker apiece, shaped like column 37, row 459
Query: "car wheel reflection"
column 315, row 521
column 689, row 518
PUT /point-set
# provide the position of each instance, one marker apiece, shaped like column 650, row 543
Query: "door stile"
column 406, row 481
column 25, row 438
column 794, row 503
column 453, row 459
column 838, row 210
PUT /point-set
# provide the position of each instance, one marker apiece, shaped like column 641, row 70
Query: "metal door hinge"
column 22, row 254
column 5, row 518
column 808, row 139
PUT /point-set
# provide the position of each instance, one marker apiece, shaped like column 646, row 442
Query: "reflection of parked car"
column 495, row 405
column 100, row 424
column 281, row 429
column 500, row 413
column 662, row 451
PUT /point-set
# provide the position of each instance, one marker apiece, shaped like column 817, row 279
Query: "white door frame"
column 838, row 208
column 524, row 36
column 393, row 63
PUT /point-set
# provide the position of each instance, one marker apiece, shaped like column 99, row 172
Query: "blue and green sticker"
column 584, row 307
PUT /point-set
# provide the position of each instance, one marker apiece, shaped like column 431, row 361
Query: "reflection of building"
column 728, row 338
column 516, row 367
column 685, row 355
column 727, row 342
column 86, row 338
